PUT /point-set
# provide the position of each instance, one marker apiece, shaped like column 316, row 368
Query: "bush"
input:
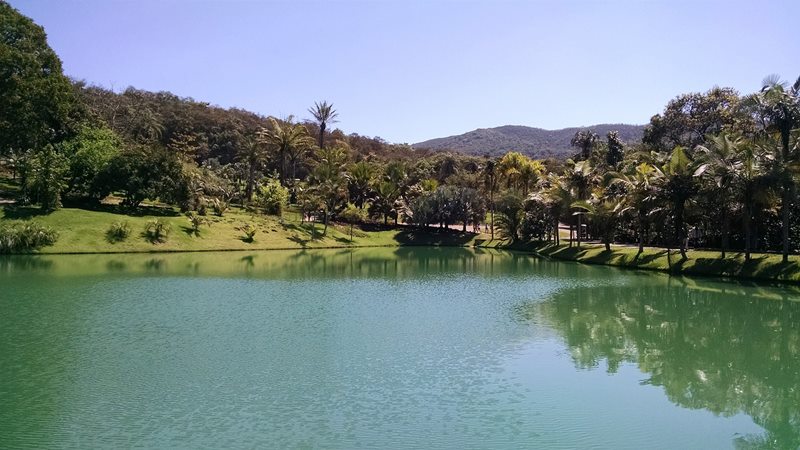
column 220, row 206
column 156, row 230
column 118, row 232
column 197, row 220
column 249, row 231
column 272, row 197
column 26, row 237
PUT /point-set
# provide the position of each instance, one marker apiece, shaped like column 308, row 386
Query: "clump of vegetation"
column 249, row 231
column 157, row 231
column 25, row 237
column 273, row 197
column 197, row 220
column 353, row 214
column 220, row 206
column 118, row 232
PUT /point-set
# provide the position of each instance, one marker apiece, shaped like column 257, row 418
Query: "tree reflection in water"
column 723, row 351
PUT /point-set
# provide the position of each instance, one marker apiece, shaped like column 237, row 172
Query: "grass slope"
column 84, row 231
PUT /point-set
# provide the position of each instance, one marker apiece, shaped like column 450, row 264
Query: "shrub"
column 220, row 206
column 249, row 231
column 25, row 237
column 272, row 197
column 156, row 230
column 196, row 220
column 118, row 232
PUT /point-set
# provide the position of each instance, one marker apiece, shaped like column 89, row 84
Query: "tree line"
column 714, row 169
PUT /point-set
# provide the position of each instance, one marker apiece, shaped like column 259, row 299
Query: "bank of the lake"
column 84, row 231
column 762, row 266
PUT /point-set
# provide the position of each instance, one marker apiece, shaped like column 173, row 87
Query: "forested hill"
column 535, row 142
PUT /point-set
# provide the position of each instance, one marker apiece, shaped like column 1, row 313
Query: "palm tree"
column 603, row 210
column 288, row 140
column 721, row 159
column 360, row 180
column 754, row 186
column 779, row 108
column 557, row 195
column 324, row 114
column 490, row 182
column 580, row 177
column 640, row 195
column 585, row 140
column 253, row 154
column 329, row 178
column 679, row 186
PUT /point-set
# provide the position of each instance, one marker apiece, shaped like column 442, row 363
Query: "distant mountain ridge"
column 534, row 142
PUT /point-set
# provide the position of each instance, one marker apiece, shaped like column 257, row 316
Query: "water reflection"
column 717, row 349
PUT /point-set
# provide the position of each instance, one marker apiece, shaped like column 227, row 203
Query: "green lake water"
column 389, row 348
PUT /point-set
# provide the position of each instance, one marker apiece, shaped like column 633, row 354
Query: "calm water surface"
column 389, row 348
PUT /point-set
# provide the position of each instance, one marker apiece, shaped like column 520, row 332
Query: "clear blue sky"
column 413, row 70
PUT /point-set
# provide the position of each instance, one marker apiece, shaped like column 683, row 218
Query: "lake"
column 406, row 347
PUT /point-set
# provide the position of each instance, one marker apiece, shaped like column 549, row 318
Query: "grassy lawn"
column 84, row 231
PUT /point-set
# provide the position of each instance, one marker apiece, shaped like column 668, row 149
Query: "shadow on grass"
column 14, row 212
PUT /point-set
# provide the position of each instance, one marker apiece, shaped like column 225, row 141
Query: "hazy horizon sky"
column 408, row 71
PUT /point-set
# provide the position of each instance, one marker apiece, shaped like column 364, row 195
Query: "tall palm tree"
column 490, row 182
column 754, row 186
column 253, row 154
column 679, row 186
column 324, row 114
column 778, row 106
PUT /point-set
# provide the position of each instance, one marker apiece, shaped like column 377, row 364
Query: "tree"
column 640, row 193
column 324, row 114
column 329, row 179
column 143, row 172
column 615, row 150
column 778, row 107
column 679, row 186
column 510, row 211
column 287, row 140
column 359, row 182
column 46, row 172
column 353, row 214
column 490, row 183
column 688, row 118
column 585, row 140
column 89, row 153
column 253, row 154
column 603, row 211
column 580, row 177
column 37, row 104
column 720, row 158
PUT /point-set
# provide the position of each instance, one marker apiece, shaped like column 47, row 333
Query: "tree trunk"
column 608, row 246
column 725, row 233
column 322, row 135
column 785, row 195
column 251, row 180
column 679, row 229
column 579, row 229
column 785, row 202
column 747, row 238
column 641, row 233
